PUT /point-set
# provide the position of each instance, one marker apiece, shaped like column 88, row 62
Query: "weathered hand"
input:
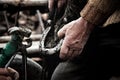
column 8, row 74
column 75, row 36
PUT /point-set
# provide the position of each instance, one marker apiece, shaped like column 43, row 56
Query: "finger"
column 9, row 78
column 5, row 78
column 4, row 71
column 13, row 73
column 70, row 53
column 61, row 7
column 61, row 3
column 61, row 32
column 63, row 51
column 50, row 4
column 76, row 53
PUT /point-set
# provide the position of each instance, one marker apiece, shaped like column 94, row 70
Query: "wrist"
column 85, row 22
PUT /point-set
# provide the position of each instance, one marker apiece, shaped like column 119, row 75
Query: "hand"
column 75, row 36
column 8, row 74
column 60, row 5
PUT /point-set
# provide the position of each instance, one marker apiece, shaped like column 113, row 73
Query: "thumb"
column 63, row 51
column 50, row 4
column 13, row 73
column 61, row 32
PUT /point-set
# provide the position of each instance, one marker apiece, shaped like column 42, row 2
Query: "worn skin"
column 8, row 74
column 76, row 34
column 71, row 13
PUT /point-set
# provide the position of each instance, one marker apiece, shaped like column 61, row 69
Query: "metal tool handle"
column 24, row 56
